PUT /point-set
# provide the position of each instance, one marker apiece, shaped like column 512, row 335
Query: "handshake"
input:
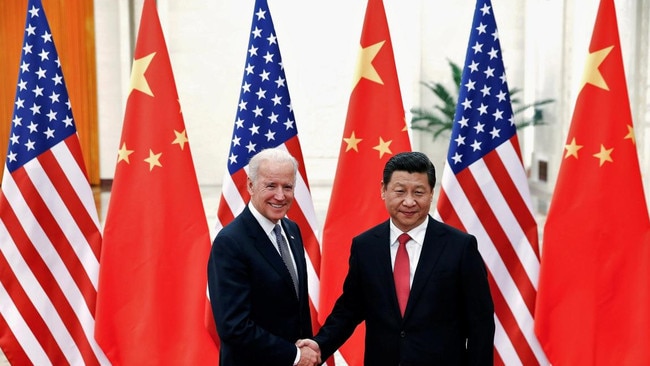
column 309, row 352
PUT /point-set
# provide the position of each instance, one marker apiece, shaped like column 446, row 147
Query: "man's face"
column 272, row 192
column 408, row 198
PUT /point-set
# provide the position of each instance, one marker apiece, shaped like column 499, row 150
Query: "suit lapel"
column 295, row 245
column 432, row 248
column 265, row 247
column 383, row 266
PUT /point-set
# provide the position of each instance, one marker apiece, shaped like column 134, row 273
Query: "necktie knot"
column 403, row 239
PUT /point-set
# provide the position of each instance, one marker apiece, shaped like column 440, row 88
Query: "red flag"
column 593, row 304
column 485, row 192
column 49, row 229
column 375, row 130
column 265, row 119
column 152, row 282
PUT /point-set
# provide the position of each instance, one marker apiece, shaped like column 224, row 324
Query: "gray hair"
column 275, row 155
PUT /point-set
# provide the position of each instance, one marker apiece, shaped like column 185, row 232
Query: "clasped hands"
column 309, row 352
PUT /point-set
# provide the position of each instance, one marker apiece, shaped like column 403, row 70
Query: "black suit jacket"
column 258, row 316
column 449, row 317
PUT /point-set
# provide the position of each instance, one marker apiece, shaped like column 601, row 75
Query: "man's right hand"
column 309, row 352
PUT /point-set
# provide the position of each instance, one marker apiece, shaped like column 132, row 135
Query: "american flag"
column 485, row 192
column 49, row 229
column 265, row 119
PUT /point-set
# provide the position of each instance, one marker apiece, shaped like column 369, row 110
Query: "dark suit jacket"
column 449, row 317
column 254, row 303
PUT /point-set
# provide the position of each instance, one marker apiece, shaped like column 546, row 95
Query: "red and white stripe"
column 491, row 200
column 49, row 260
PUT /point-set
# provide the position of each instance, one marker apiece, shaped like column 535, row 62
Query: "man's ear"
column 249, row 185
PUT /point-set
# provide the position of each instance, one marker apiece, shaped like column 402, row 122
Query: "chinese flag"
column 375, row 130
column 593, row 304
column 152, row 278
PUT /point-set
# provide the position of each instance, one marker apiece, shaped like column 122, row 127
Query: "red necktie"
column 401, row 272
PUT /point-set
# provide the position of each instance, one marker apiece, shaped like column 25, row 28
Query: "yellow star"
column 352, row 142
column 383, row 147
column 630, row 134
column 181, row 138
column 138, row 81
column 591, row 74
column 406, row 126
column 604, row 155
column 572, row 149
column 153, row 160
column 123, row 154
column 364, row 65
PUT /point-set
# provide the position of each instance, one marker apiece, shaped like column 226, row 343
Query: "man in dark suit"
column 257, row 275
column 429, row 304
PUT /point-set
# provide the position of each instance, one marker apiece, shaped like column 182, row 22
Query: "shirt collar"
column 266, row 224
column 417, row 233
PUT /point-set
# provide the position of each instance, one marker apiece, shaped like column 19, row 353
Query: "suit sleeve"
column 230, row 297
column 479, row 308
column 347, row 312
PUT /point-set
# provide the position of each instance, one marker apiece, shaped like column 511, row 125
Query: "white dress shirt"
column 413, row 246
column 268, row 225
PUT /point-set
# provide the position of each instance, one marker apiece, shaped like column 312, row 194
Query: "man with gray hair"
column 257, row 273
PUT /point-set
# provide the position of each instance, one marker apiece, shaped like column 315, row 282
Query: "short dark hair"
column 412, row 162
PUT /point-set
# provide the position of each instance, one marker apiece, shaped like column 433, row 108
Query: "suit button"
column 402, row 334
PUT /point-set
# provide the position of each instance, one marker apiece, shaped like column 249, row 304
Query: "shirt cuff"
column 295, row 362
